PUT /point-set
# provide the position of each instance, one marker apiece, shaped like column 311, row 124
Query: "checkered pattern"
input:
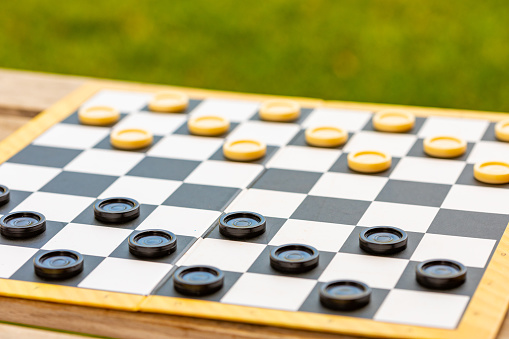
column 308, row 195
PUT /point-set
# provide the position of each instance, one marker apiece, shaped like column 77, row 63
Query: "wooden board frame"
column 482, row 318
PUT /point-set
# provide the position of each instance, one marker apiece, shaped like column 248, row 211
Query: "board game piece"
column 4, row 195
column 22, row 224
column 169, row 102
column 492, row 172
column 208, row 125
column 58, row 264
column 242, row 225
column 244, row 150
column 280, row 110
column 444, row 146
column 98, row 115
column 383, row 240
column 152, row 243
column 294, row 258
column 198, row 280
column 502, row 130
column 131, row 138
column 345, row 295
column 441, row 274
column 326, row 136
column 116, row 210
column 369, row 161
column 393, row 120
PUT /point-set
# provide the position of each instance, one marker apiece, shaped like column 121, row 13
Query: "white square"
column 269, row 291
column 468, row 129
column 107, row 162
column 351, row 120
column 268, row 203
column 321, row 235
column 477, row 199
column 88, row 239
column 144, row 190
column 420, row 308
column 271, row 133
column 396, row 145
column 473, row 252
column 12, row 258
column 72, row 136
column 377, row 272
column 437, row 171
column 26, row 177
column 157, row 123
column 234, row 256
column 128, row 276
column 489, row 151
column 304, row 159
column 222, row 173
column 186, row 147
column 349, row 186
column 233, row 110
column 412, row 218
column 55, row 207
column 124, row 101
column 180, row 220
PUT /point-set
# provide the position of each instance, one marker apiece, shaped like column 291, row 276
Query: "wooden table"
column 22, row 96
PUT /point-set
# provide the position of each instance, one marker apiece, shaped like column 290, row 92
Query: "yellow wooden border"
column 482, row 318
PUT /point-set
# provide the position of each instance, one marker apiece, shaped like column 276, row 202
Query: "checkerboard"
column 308, row 195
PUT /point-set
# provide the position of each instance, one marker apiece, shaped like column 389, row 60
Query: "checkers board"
column 58, row 167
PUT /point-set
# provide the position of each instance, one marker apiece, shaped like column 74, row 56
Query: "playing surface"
column 307, row 194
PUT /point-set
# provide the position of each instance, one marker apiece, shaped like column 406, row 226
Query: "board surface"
column 307, row 194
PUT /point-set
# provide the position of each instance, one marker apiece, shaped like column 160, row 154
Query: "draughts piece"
column 131, row 138
column 492, row 172
column 502, row 130
column 441, row 274
column 169, row 102
column 444, row 146
column 22, row 225
column 392, row 120
column 294, row 258
column 116, row 210
column 280, row 110
column 58, row 264
column 152, row 243
column 208, row 125
column 244, row 150
column 242, row 225
column 326, row 136
column 369, row 161
column 98, row 115
column 383, row 240
column 345, row 295
column 4, row 195
column 198, row 280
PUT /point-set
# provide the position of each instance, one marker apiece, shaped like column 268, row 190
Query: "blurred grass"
column 452, row 53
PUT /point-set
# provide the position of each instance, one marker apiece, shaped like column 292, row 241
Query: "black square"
column 192, row 105
column 408, row 281
column 183, row 130
column 272, row 225
column 351, row 244
column 417, row 126
column 469, row 224
column 489, row 135
column 106, row 144
column 300, row 140
column 213, row 198
column 45, row 156
column 52, row 228
column 304, row 113
column 271, row 150
column 341, row 166
column 26, row 272
column 287, row 180
column 162, row 168
column 414, row 193
column 262, row 265
column 333, row 210
column 467, row 178
column 417, row 150
column 73, row 119
column 167, row 289
column 87, row 217
column 312, row 304
column 183, row 244
column 15, row 198
column 82, row 184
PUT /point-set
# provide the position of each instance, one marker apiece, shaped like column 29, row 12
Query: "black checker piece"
column 345, row 295
column 116, row 210
column 198, row 280
column 22, row 224
column 58, row 264
column 4, row 195
column 441, row 274
column 383, row 240
column 152, row 243
column 294, row 258
column 242, row 225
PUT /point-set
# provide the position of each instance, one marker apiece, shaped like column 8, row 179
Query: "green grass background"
column 444, row 53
